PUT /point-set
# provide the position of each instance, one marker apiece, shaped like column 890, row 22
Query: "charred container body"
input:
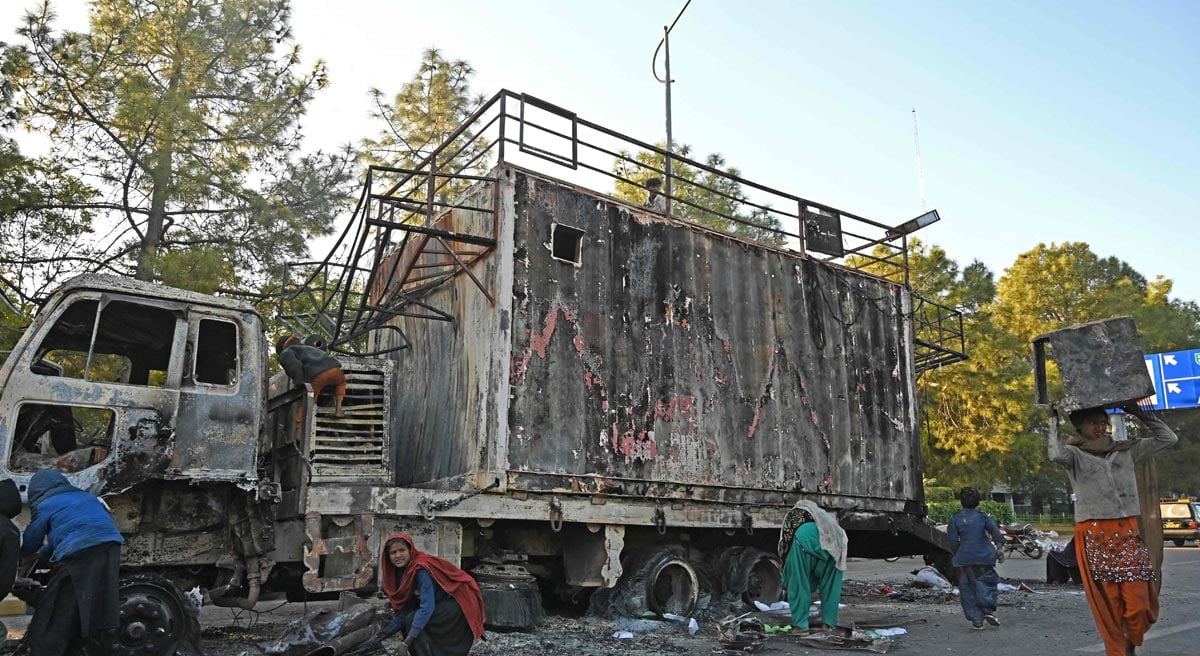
column 642, row 393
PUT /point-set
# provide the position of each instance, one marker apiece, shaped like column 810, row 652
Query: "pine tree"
column 184, row 114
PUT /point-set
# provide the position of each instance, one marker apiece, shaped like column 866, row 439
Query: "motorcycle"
column 1023, row 539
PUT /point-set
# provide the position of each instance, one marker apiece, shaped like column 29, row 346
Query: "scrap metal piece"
column 363, row 563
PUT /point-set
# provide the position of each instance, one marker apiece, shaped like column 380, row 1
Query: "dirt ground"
column 1053, row 620
column 918, row 610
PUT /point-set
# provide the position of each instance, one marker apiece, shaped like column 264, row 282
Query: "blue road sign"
column 1176, row 377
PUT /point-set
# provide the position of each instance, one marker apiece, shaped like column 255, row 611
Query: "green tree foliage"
column 38, row 230
column 980, row 420
column 941, row 512
column 1050, row 287
column 184, row 114
column 422, row 116
column 700, row 195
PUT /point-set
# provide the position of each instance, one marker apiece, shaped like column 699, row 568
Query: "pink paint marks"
column 754, row 421
column 815, row 420
column 578, row 342
column 728, row 350
column 826, row 484
column 684, row 406
column 639, row 446
column 720, row 378
column 538, row 343
column 615, row 436
column 519, row 367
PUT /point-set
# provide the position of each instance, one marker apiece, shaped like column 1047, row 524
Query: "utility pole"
column 665, row 46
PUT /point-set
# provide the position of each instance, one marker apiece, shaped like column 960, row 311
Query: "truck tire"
column 656, row 581
column 751, row 574
column 155, row 619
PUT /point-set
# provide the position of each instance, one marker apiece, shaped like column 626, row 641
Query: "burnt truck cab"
column 155, row 398
column 117, row 382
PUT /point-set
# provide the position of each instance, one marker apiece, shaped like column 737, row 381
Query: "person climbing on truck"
column 813, row 548
column 439, row 607
column 308, row 364
column 81, row 599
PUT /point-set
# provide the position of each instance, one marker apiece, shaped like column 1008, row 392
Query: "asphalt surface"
column 1054, row 619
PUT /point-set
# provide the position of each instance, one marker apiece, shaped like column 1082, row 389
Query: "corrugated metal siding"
column 449, row 382
column 670, row 354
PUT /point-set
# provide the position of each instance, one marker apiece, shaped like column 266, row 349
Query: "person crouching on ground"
column 975, row 537
column 813, row 549
column 309, row 364
column 82, row 598
column 1116, row 565
column 439, row 608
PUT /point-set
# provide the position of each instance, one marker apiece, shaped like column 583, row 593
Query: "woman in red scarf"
column 438, row 606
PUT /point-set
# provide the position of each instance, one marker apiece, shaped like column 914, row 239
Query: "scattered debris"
column 928, row 577
column 742, row 633
column 846, row 640
column 322, row 627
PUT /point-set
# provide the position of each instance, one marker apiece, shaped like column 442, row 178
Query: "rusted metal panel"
column 355, row 446
column 1101, row 363
column 451, row 393
column 669, row 360
column 673, row 354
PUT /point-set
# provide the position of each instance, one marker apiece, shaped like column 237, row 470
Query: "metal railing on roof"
column 397, row 248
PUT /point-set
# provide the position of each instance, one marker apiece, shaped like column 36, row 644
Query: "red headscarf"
column 398, row 584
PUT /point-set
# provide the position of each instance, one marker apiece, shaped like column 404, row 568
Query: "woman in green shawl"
column 813, row 549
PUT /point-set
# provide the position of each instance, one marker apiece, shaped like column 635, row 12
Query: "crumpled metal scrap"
column 741, row 633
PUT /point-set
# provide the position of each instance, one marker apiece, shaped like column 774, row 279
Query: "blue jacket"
column 969, row 531
column 65, row 517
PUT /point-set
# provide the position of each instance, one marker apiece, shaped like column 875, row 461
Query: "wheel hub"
column 151, row 621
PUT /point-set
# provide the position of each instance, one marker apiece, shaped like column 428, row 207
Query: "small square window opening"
column 566, row 243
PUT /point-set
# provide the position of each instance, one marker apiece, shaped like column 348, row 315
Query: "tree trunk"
column 148, row 253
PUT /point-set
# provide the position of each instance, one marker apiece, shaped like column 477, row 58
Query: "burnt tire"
column 656, row 581
column 751, row 574
column 156, row 620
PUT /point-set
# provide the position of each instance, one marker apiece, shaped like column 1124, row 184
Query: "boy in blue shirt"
column 975, row 558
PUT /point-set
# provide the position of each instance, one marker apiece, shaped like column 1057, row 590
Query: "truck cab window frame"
column 110, row 340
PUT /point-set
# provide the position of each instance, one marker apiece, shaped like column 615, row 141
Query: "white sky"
column 1040, row 122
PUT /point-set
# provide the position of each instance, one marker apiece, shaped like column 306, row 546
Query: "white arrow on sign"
column 1174, row 388
column 1169, row 359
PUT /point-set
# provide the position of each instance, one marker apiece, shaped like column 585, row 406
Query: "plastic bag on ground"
column 928, row 577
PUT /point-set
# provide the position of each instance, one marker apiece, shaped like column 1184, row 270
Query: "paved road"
column 1058, row 622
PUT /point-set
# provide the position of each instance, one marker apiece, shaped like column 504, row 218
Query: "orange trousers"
column 329, row 378
column 1123, row 611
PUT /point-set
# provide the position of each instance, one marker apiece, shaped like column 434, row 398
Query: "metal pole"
column 670, row 142
column 666, row 46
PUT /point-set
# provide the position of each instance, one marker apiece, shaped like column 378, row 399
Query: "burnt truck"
column 557, row 388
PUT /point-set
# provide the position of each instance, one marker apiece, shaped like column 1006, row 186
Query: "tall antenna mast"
column 920, row 171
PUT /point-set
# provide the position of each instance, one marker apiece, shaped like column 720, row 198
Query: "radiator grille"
column 355, row 445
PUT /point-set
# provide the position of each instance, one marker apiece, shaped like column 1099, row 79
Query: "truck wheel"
column 155, row 619
column 751, row 574
column 657, row 581
column 1179, row 543
column 673, row 587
